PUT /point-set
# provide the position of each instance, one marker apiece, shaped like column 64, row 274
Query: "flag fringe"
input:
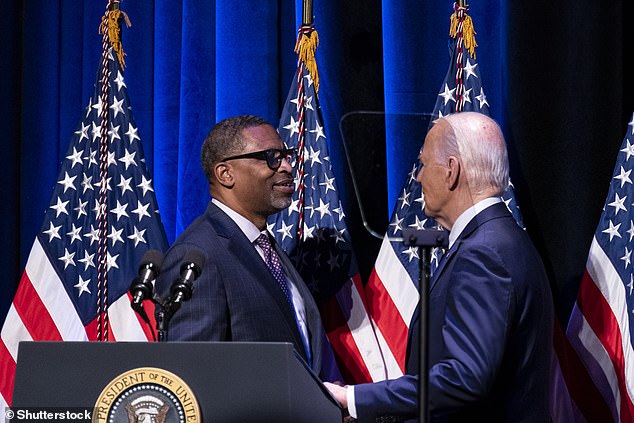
column 110, row 23
column 305, row 48
column 468, row 32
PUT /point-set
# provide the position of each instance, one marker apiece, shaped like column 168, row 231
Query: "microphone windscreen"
column 194, row 256
column 152, row 256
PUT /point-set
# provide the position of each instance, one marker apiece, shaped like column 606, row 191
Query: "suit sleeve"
column 476, row 324
column 204, row 316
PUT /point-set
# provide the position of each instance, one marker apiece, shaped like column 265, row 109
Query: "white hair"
column 478, row 141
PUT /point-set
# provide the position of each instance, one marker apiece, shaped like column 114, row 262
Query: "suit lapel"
column 246, row 254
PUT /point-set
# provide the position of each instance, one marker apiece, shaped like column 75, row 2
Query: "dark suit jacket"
column 235, row 298
column 490, row 334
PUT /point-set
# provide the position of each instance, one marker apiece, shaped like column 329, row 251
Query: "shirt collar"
column 246, row 226
column 463, row 220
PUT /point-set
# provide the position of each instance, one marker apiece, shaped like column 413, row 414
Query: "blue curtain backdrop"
column 553, row 76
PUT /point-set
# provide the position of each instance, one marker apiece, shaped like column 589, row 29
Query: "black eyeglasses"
column 273, row 157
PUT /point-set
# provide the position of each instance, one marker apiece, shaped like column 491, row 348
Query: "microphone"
column 143, row 285
column 191, row 268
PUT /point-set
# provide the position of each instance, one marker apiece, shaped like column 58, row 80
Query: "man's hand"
column 339, row 392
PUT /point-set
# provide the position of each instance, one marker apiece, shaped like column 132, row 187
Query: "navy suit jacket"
column 235, row 298
column 490, row 334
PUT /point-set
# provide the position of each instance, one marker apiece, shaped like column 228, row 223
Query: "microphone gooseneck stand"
column 425, row 240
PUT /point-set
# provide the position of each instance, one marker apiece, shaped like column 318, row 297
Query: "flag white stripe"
column 123, row 321
column 562, row 408
column 361, row 330
column 13, row 332
column 595, row 358
column 609, row 283
column 397, row 281
column 53, row 295
column 391, row 365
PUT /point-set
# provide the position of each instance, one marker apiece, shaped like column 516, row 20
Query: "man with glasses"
column 248, row 289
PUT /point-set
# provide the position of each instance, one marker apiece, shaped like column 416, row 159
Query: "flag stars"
column 75, row 157
column 124, row 184
column 318, row 131
column 117, row 107
column 285, row 230
column 411, row 253
column 329, row 184
column 67, row 182
column 120, row 210
column 323, row 209
column 418, row 224
column 628, row 150
column 612, row 230
column 631, row 284
column 88, row 260
column 482, row 98
column 113, row 132
column 339, row 211
column 293, row 127
column 470, row 69
column 309, row 232
column 332, row 261
column 112, row 261
column 631, row 230
column 137, row 236
column 115, row 236
column 74, row 234
column 83, row 132
column 119, row 81
column 313, row 156
column 67, row 258
column 60, row 207
column 99, row 106
column 447, row 94
column 624, row 177
column 141, row 210
column 618, row 204
column 404, row 199
column 145, row 185
column 53, row 232
column 397, row 225
column 627, row 257
column 93, row 235
column 132, row 133
column 128, row 159
column 82, row 286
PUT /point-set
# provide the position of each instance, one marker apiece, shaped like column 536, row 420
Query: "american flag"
column 59, row 292
column 392, row 288
column 313, row 233
column 599, row 328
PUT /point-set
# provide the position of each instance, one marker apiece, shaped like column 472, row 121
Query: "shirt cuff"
column 352, row 409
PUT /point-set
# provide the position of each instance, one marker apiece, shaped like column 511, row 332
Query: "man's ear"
column 453, row 172
column 224, row 174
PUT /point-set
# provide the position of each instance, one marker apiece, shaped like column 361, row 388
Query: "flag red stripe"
column 387, row 317
column 348, row 356
column 598, row 314
column 7, row 369
column 582, row 389
column 33, row 312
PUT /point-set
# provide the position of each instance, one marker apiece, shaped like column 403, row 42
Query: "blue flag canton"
column 324, row 256
column 615, row 231
column 70, row 233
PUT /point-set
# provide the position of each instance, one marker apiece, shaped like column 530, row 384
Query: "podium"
column 230, row 381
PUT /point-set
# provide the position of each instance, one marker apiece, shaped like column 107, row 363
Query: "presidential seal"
column 146, row 395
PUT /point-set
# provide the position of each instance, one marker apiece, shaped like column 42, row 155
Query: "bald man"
column 491, row 308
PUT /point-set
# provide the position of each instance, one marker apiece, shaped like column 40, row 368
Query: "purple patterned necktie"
column 274, row 264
